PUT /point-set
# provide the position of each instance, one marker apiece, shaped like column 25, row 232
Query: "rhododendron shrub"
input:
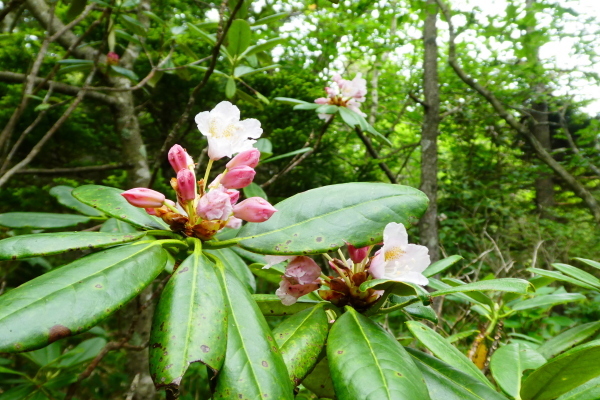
column 338, row 256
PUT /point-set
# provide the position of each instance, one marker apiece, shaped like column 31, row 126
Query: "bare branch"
column 74, row 170
column 371, row 150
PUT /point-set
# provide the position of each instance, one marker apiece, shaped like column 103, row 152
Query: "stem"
column 171, row 207
column 215, row 244
column 208, row 167
column 397, row 306
column 160, row 232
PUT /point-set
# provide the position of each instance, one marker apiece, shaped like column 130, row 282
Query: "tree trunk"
column 429, row 151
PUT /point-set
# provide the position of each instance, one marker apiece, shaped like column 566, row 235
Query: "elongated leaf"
column 65, row 197
column 270, row 18
column 441, row 265
column 568, row 338
column 196, row 30
column 41, row 220
column 559, row 277
column 127, row 73
column 547, row 300
column 44, row 244
column 248, row 255
column 319, row 380
column 563, row 373
column 253, row 190
column 230, row 88
column 477, row 296
column 239, row 37
column 109, row 201
column 301, row 338
column 254, row 367
column 83, row 352
column 420, row 311
column 286, row 155
column 512, row 285
column 508, row 363
column 397, row 288
column 190, row 322
column 289, row 100
column 445, row 351
column 235, row 264
column 591, row 263
column 113, row 225
column 72, row 299
column 270, row 304
column 578, row 274
column 133, row 25
column 588, row 391
column 448, row 383
column 251, row 71
column 439, row 285
column 265, row 46
column 272, row 274
column 367, row 363
column 358, row 211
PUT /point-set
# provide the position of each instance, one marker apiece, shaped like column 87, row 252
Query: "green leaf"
column 230, row 88
column 154, row 17
column 591, row 263
column 204, row 69
column 439, row 285
column 236, row 264
column 265, row 46
column 270, row 304
column 44, row 356
column 265, row 147
column 127, row 36
column 44, row 244
column 133, row 25
column 286, row 155
column 479, row 297
column 578, row 274
column 568, row 338
column 190, row 322
column 555, row 275
column 83, row 352
column 367, row 363
column 113, row 225
column 270, row 18
column 325, row 109
column 248, row 255
column 588, row 391
column 253, row 190
column 563, row 373
column 64, row 196
column 75, row 68
column 272, row 274
column 445, row 351
column 41, row 220
column 75, row 8
column 72, row 299
column 18, row 393
column 289, row 100
column 508, row 363
column 441, row 265
column 448, row 383
column 301, row 338
column 358, row 211
column 461, row 335
column 109, row 201
column 241, row 70
column 349, row 117
column 512, row 285
column 207, row 37
column 245, row 71
column 238, row 36
column 253, row 368
column 306, row 106
column 319, row 380
column 397, row 288
column 547, row 300
column 420, row 311
column 127, row 73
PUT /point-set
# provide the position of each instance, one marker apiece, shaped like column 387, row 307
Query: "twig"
column 74, row 170
column 371, row 150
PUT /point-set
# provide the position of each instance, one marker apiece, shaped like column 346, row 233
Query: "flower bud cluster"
column 201, row 212
column 345, row 93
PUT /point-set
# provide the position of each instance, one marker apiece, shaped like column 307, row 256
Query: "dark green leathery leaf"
column 236, row 264
column 190, row 322
column 253, row 368
column 43, row 244
column 368, row 363
column 319, row 380
column 65, row 197
column 109, row 201
column 270, row 305
column 69, row 300
column 41, row 220
column 358, row 211
column 301, row 338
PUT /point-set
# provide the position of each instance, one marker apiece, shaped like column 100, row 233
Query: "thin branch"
column 71, row 24
column 574, row 148
column 13, row 4
column 171, row 137
column 371, row 150
column 74, row 170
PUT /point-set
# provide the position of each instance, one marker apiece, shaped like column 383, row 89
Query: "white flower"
column 274, row 260
column 398, row 260
column 225, row 132
column 356, row 88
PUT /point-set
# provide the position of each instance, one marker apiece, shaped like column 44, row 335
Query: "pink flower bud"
column 238, row 177
column 301, row 277
column 179, row 158
column 304, row 269
column 151, row 211
column 112, row 58
column 234, row 223
column 144, row 198
column 289, row 292
column 248, row 157
column 215, row 204
column 322, row 100
column 186, row 185
column 357, row 255
column 234, row 195
column 254, row 209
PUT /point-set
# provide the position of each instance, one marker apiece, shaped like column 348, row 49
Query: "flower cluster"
column 201, row 210
column 396, row 260
column 345, row 93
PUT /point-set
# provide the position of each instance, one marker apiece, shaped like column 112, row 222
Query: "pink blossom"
column 322, row 100
column 303, row 269
column 144, row 198
column 186, row 185
column 215, row 204
column 248, row 157
column 234, row 195
column 357, row 254
column 289, row 292
column 254, row 209
column 234, row 223
column 238, row 177
column 179, row 158
column 300, row 278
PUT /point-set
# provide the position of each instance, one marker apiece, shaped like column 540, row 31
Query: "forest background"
column 493, row 116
